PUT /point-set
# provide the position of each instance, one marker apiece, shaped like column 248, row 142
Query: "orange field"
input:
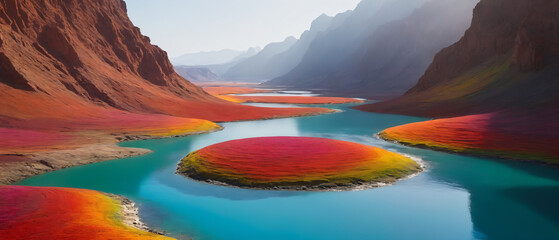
column 62, row 213
column 519, row 135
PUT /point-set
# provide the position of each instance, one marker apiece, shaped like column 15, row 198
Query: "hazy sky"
column 186, row 26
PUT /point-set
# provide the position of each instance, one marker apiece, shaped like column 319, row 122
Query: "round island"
column 296, row 163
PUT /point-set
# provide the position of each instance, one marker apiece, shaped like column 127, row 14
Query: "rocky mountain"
column 50, row 49
column 66, row 58
column 337, row 45
column 508, row 58
column 78, row 76
column 197, row 74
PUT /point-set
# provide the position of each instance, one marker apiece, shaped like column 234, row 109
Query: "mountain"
column 336, row 46
column 277, row 58
column 57, row 56
column 211, row 57
column 197, row 74
column 255, row 67
column 220, row 69
column 495, row 89
column 507, row 58
column 83, row 55
column 78, row 76
column 398, row 53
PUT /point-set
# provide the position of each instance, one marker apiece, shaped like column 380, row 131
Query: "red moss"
column 298, row 161
column 63, row 213
column 519, row 135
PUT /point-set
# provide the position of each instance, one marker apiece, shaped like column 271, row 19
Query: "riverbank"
column 91, row 147
column 236, row 95
column 67, row 213
column 59, row 143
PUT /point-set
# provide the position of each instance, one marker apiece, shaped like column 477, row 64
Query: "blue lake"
column 456, row 197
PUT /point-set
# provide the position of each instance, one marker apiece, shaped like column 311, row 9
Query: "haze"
column 187, row 26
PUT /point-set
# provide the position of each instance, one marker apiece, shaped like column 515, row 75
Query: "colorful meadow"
column 63, row 213
column 74, row 131
column 296, row 163
column 527, row 135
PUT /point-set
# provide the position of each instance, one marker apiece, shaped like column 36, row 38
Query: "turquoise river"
column 456, row 197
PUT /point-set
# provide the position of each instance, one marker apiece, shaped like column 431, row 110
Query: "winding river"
column 457, row 197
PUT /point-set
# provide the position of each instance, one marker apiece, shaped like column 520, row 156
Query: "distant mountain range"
column 381, row 49
column 258, row 67
column 277, row 59
column 197, row 74
column 213, row 57
column 495, row 90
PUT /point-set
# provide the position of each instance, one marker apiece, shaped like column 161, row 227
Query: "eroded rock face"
column 507, row 58
column 86, row 48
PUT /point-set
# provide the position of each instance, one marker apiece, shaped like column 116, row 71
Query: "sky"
column 189, row 26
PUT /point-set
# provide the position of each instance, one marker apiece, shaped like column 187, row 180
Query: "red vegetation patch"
column 519, row 135
column 63, row 213
column 14, row 140
column 295, row 161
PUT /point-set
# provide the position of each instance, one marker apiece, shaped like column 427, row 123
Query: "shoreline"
column 129, row 214
column 474, row 152
column 324, row 187
column 316, row 188
column 36, row 163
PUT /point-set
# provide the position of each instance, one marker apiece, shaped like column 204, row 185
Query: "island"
column 296, row 163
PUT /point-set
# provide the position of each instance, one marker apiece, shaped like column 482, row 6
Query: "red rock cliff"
column 61, row 57
column 84, row 48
